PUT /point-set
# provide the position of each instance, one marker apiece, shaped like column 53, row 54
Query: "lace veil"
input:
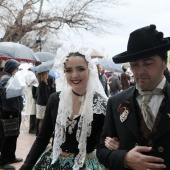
column 65, row 104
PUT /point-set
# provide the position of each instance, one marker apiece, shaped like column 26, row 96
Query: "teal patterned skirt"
column 66, row 162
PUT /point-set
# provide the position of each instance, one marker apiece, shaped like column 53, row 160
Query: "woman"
column 30, row 107
column 10, row 108
column 42, row 96
column 80, row 110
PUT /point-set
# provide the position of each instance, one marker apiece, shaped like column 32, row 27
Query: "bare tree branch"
column 43, row 17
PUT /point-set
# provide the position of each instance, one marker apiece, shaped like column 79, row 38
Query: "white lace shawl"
column 65, row 106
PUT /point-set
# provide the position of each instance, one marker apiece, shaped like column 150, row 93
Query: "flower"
column 123, row 106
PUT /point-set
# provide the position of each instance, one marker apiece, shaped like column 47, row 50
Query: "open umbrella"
column 16, row 51
column 45, row 56
column 110, row 66
column 44, row 66
column 96, row 54
column 53, row 72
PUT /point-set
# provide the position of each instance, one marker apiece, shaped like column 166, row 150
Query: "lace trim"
column 40, row 111
column 70, row 124
column 88, row 107
column 99, row 107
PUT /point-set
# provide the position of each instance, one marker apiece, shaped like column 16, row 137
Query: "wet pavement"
column 24, row 142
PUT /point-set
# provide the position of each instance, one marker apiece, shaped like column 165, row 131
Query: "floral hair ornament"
column 124, row 110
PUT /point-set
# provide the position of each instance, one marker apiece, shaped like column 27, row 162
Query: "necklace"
column 78, row 94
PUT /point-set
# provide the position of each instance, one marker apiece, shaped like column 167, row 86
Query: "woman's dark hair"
column 76, row 54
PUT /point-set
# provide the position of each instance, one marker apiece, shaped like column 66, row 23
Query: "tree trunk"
column 13, row 34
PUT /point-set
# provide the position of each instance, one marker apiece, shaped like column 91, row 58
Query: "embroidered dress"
column 66, row 162
column 66, row 159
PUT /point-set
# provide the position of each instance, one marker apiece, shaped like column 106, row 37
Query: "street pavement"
column 24, row 144
column 24, row 141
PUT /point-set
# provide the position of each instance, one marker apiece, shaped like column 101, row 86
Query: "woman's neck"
column 78, row 94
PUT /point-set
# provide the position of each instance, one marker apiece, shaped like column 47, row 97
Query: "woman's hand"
column 112, row 143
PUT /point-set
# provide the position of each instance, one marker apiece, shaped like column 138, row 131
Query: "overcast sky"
column 135, row 14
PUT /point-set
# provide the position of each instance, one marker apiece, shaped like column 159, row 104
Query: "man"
column 102, row 78
column 142, row 127
column 10, row 108
column 114, row 84
column 125, row 79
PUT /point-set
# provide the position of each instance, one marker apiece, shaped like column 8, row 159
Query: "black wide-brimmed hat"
column 143, row 43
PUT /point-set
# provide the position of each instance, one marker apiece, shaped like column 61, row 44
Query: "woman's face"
column 45, row 75
column 77, row 73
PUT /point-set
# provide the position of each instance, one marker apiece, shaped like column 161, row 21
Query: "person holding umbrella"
column 10, row 108
column 42, row 93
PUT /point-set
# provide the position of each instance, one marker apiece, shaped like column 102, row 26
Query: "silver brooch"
column 124, row 115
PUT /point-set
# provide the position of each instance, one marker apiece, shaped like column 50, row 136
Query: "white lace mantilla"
column 84, row 128
column 40, row 111
column 90, row 105
column 70, row 124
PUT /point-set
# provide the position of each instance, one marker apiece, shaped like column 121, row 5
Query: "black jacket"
column 42, row 94
column 14, row 104
column 128, row 131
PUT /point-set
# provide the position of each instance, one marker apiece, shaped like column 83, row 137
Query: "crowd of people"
column 97, row 122
column 114, row 83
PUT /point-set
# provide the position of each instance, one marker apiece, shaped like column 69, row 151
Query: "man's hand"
column 136, row 160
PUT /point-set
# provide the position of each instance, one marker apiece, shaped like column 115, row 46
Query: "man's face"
column 148, row 72
column 99, row 67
